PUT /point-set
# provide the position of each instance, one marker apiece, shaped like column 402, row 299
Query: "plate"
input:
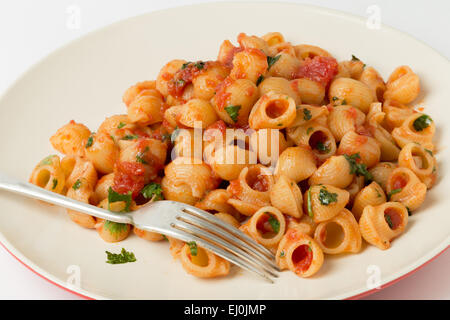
column 85, row 80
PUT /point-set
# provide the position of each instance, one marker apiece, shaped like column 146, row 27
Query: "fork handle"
column 27, row 189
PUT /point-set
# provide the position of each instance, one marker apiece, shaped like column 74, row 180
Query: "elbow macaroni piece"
column 49, row 175
column 343, row 119
column 310, row 92
column 204, row 264
column 367, row 147
column 380, row 224
column 267, row 226
column 323, row 202
column 381, row 172
column 82, row 192
column 372, row 195
column 420, row 161
column 403, row 186
column 352, row 92
column 299, row 253
column 375, row 83
column 251, row 190
column 415, row 129
column 146, row 108
column 249, row 64
column 403, row 85
column 279, row 85
column 335, row 171
column 296, row 163
column 71, row 138
column 339, row 234
column 287, row 197
column 273, row 111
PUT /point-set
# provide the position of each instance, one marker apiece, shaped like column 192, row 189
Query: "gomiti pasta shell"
column 351, row 236
column 272, row 110
column 374, row 227
column 299, row 253
column 403, row 85
column 308, row 114
column 49, row 175
column 286, row 196
column 334, row 171
column 372, row 195
column 407, row 133
column 381, row 172
column 279, row 85
column 315, row 136
column 204, row 264
column 343, row 119
column 367, row 147
column 324, row 202
column 296, row 163
column 404, row 186
column 253, row 227
column 419, row 161
column 352, row 92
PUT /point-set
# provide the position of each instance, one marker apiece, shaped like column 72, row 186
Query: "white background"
column 30, row 29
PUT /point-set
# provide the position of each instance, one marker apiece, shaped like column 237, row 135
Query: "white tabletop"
column 29, row 30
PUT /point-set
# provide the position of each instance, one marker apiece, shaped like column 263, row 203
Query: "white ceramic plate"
column 85, row 81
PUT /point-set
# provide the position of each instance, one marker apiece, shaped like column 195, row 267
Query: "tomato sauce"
column 235, row 187
column 319, row 69
column 394, row 216
column 212, row 129
column 183, row 77
column 399, row 182
column 129, row 176
column 257, row 181
column 222, row 96
column 302, row 258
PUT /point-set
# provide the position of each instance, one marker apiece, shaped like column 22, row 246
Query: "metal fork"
column 173, row 219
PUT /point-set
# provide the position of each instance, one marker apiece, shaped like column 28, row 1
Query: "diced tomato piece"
column 129, row 176
column 319, row 69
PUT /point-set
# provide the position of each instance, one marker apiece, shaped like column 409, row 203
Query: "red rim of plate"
column 355, row 297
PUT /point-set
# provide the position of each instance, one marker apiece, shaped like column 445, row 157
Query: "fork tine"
column 229, row 237
column 236, row 232
column 226, row 245
column 187, row 237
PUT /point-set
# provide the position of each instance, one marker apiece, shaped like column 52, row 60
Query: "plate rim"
column 351, row 295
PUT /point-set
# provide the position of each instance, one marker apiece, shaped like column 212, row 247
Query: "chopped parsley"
column 55, row 183
column 388, row 220
column 378, row 193
column 193, row 248
column 390, row 194
column 274, row 223
column 152, row 191
column 114, row 196
column 123, row 257
column 282, row 254
column 309, row 203
column 322, row 147
column 307, row 114
column 422, row 122
column 359, row 168
column 90, row 141
column 115, row 228
column 271, row 61
column 280, row 124
column 184, row 66
column 354, row 58
column 76, row 185
column 309, row 130
column 130, row 137
column 233, row 112
column 199, row 65
column 121, row 125
column 326, row 197
column 260, row 79
column 140, row 156
column 335, row 98
column 47, row 161
column 164, row 237
column 344, row 102
column 429, row 151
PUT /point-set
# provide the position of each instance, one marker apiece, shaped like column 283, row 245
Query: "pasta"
column 307, row 155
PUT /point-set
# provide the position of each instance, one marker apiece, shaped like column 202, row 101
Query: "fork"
column 173, row 219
